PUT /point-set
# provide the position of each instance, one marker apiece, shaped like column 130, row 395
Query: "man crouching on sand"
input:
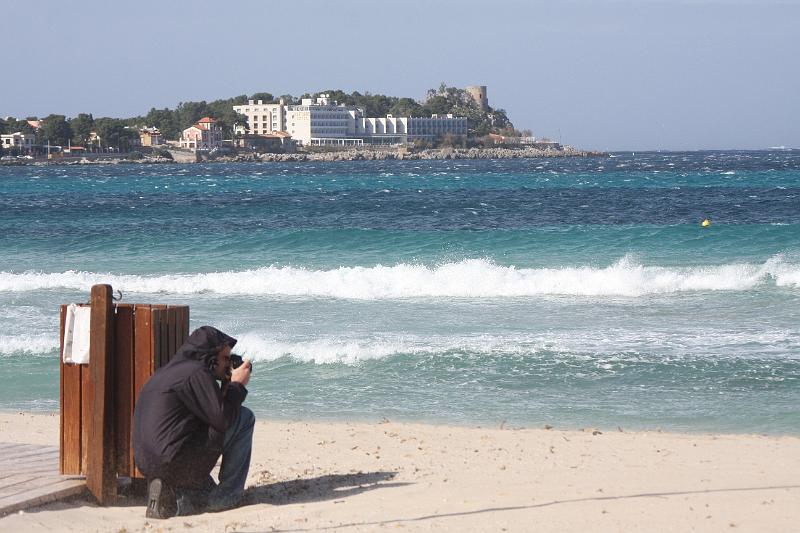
column 184, row 420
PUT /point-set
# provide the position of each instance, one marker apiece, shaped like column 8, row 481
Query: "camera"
column 237, row 361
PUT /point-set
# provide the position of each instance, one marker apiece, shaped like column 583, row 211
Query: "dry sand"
column 413, row 477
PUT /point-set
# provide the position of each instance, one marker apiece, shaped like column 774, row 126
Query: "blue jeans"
column 236, row 451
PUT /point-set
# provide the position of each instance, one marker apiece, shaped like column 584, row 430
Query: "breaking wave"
column 470, row 278
column 28, row 344
column 611, row 347
column 603, row 346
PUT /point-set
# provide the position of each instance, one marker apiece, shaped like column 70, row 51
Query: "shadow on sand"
column 333, row 486
column 329, row 487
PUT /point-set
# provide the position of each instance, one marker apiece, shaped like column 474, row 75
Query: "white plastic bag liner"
column 76, row 334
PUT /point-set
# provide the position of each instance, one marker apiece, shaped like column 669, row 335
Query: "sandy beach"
column 414, row 477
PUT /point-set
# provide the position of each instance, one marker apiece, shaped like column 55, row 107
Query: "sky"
column 606, row 75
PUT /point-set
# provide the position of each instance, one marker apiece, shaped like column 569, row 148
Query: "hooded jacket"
column 182, row 407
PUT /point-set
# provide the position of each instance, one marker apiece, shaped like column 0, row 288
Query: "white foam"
column 604, row 346
column 470, row 278
column 321, row 351
column 28, row 344
column 333, row 349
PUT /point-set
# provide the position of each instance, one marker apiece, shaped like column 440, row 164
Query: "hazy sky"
column 646, row 74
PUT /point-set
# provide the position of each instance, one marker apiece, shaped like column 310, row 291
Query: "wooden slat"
column 37, row 469
column 180, row 325
column 52, row 492
column 123, row 387
column 27, row 458
column 70, row 430
column 21, row 484
column 143, row 347
column 155, row 335
column 15, row 446
column 28, row 463
column 86, row 391
column 30, row 477
column 183, row 329
column 34, row 454
column 172, row 313
column 142, row 353
column 44, row 465
column 163, row 337
column 101, row 470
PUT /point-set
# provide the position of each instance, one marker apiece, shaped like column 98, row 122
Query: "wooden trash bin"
column 128, row 342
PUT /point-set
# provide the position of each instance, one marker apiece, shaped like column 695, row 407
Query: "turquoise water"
column 570, row 292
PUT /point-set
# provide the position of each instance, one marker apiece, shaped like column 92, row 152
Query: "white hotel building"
column 322, row 122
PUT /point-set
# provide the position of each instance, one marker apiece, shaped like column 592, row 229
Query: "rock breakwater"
column 353, row 154
column 378, row 154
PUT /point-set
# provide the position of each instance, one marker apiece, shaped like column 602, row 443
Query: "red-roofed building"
column 204, row 135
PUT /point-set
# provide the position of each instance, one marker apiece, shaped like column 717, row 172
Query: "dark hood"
column 204, row 344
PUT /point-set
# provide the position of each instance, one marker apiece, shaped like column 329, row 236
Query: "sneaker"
column 230, row 501
column 160, row 500
column 190, row 501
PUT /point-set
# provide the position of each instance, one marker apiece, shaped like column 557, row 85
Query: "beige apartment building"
column 262, row 118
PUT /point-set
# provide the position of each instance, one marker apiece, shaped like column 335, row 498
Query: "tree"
column 222, row 111
column 55, row 130
column 500, row 119
column 21, row 126
column 452, row 141
column 164, row 120
column 113, row 134
column 81, row 127
column 445, row 100
column 437, row 105
column 406, row 107
column 189, row 113
column 267, row 98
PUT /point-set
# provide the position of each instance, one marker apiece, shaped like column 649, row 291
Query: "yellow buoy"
column 705, row 223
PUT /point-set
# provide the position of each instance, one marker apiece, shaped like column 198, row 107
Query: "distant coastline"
column 355, row 154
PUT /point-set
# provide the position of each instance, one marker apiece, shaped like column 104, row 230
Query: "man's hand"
column 242, row 374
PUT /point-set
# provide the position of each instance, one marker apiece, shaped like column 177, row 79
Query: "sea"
column 578, row 292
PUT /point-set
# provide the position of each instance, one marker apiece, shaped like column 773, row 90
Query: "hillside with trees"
column 119, row 132
column 440, row 101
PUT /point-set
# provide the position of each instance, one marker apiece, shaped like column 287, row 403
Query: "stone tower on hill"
column 478, row 93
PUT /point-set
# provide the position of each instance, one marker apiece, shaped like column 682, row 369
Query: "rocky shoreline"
column 355, row 154
column 361, row 154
